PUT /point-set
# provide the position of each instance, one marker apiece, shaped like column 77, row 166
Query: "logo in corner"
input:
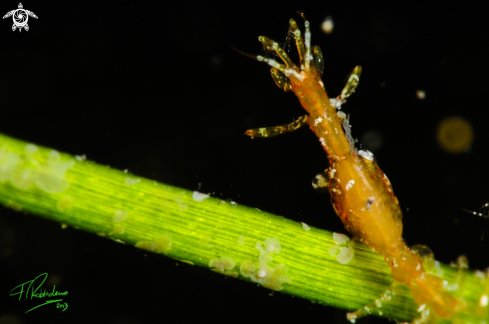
column 20, row 17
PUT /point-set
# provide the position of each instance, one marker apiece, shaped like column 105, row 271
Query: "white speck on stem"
column 340, row 238
column 197, row 196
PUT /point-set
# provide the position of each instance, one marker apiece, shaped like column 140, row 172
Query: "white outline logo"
column 20, row 17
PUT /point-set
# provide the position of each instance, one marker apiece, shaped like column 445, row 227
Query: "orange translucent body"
column 362, row 195
column 369, row 209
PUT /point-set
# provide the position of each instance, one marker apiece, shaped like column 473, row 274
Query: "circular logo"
column 20, row 18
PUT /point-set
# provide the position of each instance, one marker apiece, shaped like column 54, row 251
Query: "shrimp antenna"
column 244, row 53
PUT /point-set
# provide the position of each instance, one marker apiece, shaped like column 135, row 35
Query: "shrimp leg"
column 349, row 88
column 277, row 130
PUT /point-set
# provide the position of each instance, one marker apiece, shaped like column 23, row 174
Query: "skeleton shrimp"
column 361, row 194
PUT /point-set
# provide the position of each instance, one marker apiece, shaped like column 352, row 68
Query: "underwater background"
column 156, row 89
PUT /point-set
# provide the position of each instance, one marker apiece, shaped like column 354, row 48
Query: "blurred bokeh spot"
column 420, row 94
column 372, row 141
column 455, row 135
column 327, row 25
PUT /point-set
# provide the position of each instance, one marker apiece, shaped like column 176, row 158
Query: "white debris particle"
column 484, row 301
column 162, row 243
column 331, row 173
column 420, row 94
column 272, row 245
column 340, row 238
column 366, row 155
column 50, row 176
column 369, row 203
column 327, row 25
column 479, row 274
column 232, row 203
column 197, row 196
column 304, row 225
column 350, row 184
column 342, row 116
column 261, row 272
column 446, row 286
column 132, row 181
column 418, row 267
column 81, row 158
column 346, row 254
column 223, row 264
column 323, row 141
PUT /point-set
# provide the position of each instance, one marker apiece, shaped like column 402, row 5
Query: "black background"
column 153, row 87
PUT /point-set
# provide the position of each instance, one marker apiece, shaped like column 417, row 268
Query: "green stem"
column 223, row 236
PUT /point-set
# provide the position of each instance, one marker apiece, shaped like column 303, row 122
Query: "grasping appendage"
column 281, row 73
column 361, row 194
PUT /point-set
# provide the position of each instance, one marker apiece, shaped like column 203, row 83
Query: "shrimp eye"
column 318, row 59
column 320, row 182
column 281, row 80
